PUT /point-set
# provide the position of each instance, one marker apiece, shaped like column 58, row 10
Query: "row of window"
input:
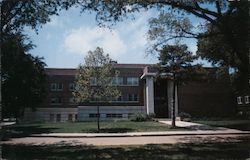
column 58, row 100
column 124, row 98
column 131, row 81
column 240, row 100
column 109, row 115
column 57, row 117
column 119, row 81
column 59, row 86
column 128, row 98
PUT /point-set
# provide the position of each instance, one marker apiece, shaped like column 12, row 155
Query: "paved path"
column 201, row 133
column 196, row 126
column 6, row 123
column 118, row 141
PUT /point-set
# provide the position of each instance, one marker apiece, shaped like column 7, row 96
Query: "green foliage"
column 185, row 116
column 140, row 117
column 23, row 77
column 16, row 14
column 94, row 79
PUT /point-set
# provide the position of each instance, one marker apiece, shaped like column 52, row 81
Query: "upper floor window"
column 246, row 99
column 117, row 81
column 56, row 100
column 239, row 100
column 133, row 81
column 72, row 100
column 133, row 97
column 93, row 81
column 56, row 86
column 72, row 86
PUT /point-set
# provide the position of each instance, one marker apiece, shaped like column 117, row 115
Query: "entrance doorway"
column 160, row 98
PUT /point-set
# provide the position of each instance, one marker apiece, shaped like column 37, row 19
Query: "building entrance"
column 160, row 98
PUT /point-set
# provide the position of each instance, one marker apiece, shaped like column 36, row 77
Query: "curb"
column 136, row 135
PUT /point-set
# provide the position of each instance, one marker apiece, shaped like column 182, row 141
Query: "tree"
column 176, row 60
column 94, row 81
column 16, row 14
column 23, row 77
column 230, row 18
column 20, row 70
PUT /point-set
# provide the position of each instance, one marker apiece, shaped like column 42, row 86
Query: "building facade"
column 141, row 93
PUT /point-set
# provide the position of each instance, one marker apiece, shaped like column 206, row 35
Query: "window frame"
column 246, row 98
column 72, row 86
column 239, row 100
column 132, row 81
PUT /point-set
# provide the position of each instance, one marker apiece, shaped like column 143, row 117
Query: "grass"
column 194, row 151
column 21, row 130
column 233, row 123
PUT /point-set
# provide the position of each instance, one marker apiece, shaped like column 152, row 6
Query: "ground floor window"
column 70, row 117
column 114, row 115
column 58, row 117
column 51, row 117
column 76, row 117
column 93, row 115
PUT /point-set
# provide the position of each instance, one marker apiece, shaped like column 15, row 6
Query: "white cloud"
column 83, row 39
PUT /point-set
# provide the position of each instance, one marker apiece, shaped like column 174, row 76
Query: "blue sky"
column 65, row 40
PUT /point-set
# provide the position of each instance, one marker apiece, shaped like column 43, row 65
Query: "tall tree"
column 23, row 77
column 16, row 14
column 94, row 81
column 230, row 18
column 176, row 60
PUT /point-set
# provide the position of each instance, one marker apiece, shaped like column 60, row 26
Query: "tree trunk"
column 173, row 106
column 98, row 119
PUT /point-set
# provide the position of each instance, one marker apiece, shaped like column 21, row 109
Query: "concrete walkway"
column 119, row 141
column 200, row 133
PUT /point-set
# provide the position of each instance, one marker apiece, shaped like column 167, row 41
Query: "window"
column 130, row 97
column 56, row 86
column 246, row 99
column 72, row 86
column 93, row 81
column 112, row 115
column 58, row 117
column 93, row 115
column 239, row 100
column 70, row 117
column 119, row 98
column 132, row 81
column 117, row 81
column 51, row 117
column 56, row 100
column 72, row 100
column 133, row 97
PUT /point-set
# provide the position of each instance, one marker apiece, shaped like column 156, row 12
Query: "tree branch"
column 218, row 7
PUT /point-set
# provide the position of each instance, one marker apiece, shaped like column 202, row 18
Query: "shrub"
column 185, row 116
column 139, row 117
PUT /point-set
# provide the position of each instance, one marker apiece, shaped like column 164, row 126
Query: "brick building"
column 141, row 92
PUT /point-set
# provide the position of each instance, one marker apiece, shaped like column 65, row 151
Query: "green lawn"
column 192, row 151
column 21, row 130
column 233, row 124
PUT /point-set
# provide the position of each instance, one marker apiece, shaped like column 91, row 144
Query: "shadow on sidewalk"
column 197, row 150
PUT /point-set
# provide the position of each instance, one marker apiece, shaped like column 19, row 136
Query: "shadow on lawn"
column 195, row 151
column 23, row 131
